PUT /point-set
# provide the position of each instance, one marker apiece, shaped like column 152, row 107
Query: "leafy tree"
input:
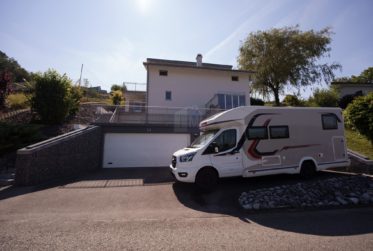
column 286, row 56
column 117, row 97
column 365, row 76
column 117, row 88
column 292, row 100
column 54, row 97
column 324, row 98
column 359, row 115
column 10, row 71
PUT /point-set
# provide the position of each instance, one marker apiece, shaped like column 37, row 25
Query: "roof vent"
column 199, row 60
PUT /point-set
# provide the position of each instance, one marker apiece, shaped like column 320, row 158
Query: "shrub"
column 324, row 98
column 14, row 136
column 292, row 100
column 359, row 116
column 54, row 97
column 17, row 101
column 117, row 97
column 256, row 101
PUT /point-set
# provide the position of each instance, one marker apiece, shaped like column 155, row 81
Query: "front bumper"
column 183, row 175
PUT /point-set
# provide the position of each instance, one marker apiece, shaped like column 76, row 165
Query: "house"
column 182, row 84
column 352, row 88
column 178, row 96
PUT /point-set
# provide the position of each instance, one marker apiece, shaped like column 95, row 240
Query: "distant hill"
column 11, row 65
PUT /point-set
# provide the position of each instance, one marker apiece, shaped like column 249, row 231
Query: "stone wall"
column 63, row 156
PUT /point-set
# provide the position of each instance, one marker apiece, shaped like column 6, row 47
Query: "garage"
column 123, row 150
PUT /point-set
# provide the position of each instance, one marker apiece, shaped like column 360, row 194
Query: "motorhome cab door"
column 222, row 156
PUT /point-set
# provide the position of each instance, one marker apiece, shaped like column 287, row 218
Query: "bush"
column 292, row 100
column 359, row 116
column 54, row 97
column 17, row 101
column 117, row 97
column 256, row 101
column 324, row 98
column 15, row 136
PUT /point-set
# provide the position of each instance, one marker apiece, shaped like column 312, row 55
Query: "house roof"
column 352, row 84
column 187, row 64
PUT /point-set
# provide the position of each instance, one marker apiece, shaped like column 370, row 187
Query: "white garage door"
column 141, row 149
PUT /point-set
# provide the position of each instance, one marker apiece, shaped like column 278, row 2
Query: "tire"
column 207, row 179
column 307, row 170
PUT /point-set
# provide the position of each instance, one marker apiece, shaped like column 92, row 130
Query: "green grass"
column 359, row 143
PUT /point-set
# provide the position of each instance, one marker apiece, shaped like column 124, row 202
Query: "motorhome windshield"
column 203, row 139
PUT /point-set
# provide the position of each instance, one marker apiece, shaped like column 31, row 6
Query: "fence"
column 185, row 117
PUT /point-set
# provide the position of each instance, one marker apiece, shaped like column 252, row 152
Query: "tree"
column 324, row 98
column 10, row 71
column 365, row 76
column 292, row 100
column 286, row 56
column 117, row 97
column 117, row 88
column 54, row 97
column 359, row 115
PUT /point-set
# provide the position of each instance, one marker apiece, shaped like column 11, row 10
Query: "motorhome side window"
column 279, row 132
column 257, row 132
column 226, row 140
column 329, row 121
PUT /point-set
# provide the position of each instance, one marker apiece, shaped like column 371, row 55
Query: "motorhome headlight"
column 187, row 157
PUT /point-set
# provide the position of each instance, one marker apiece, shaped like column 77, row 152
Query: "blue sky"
column 112, row 38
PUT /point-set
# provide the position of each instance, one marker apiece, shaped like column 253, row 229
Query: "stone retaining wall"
column 63, row 156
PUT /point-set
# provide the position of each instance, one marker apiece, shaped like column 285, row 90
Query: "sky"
column 113, row 38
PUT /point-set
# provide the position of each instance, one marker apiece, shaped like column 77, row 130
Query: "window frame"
column 235, row 78
column 256, row 138
column 324, row 127
column 163, row 73
column 165, row 95
column 287, row 135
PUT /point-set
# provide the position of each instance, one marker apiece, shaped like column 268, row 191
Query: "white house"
column 172, row 83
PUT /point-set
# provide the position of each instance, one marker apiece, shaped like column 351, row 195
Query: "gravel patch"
column 332, row 192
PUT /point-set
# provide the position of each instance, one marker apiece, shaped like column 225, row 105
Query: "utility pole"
column 81, row 72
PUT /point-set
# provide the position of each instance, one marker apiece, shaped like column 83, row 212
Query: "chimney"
column 199, row 60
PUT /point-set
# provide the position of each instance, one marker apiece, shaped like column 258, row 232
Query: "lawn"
column 359, row 143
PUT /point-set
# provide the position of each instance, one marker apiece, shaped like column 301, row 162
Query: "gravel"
column 332, row 192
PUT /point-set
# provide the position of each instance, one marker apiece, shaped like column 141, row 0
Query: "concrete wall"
column 63, row 156
column 193, row 86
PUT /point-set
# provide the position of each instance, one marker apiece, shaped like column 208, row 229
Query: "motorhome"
column 257, row 140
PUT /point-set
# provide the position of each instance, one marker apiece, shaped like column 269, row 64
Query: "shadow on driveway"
column 325, row 222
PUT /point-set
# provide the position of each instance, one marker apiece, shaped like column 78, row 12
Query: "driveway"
column 116, row 210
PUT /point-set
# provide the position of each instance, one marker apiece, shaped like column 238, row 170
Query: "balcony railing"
column 185, row 117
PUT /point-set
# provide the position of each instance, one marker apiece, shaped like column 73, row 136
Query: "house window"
column 234, row 78
column 257, row 132
column 163, row 73
column 329, row 121
column 279, row 132
column 168, row 95
column 228, row 101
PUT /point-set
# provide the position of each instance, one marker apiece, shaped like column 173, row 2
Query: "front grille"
column 173, row 161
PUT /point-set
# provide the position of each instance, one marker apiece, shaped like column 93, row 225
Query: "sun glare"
column 144, row 5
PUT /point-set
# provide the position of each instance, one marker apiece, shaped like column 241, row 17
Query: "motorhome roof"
column 241, row 112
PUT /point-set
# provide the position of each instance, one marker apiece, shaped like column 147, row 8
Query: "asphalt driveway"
column 115, row 210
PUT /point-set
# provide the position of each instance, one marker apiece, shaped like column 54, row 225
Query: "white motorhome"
column 255, row 140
